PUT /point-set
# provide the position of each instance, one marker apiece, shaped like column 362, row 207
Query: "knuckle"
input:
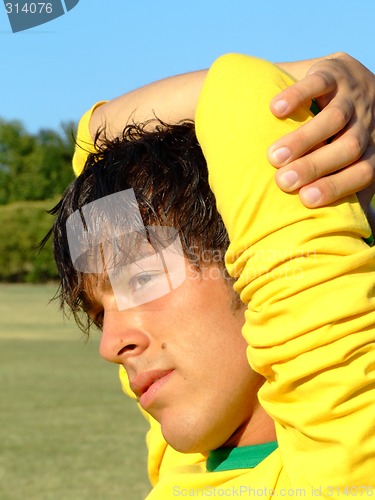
column 330, row 189
column 309, row 168
column 354, row 145
column 300, row 137
column 323, row 77
column 340, row 115
column 297, row 93
column 367, row 172
column 342, row 55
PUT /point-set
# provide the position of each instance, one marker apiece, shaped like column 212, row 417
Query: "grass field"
column 66, row 430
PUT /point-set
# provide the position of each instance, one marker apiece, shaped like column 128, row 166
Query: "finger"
column 334, row 187
column 312, row 86
column 326, row 124
column 330, row 158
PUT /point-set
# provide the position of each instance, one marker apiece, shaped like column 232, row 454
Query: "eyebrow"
column 127, row 250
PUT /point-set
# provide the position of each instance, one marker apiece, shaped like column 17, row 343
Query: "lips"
column 146, row 385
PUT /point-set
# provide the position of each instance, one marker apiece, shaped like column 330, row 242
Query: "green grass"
column 66, row 430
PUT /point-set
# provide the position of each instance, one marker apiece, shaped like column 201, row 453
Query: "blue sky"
column 102, row 48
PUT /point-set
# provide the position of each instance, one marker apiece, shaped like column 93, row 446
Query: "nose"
column 123, row 337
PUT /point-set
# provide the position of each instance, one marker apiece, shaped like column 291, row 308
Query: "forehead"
column 110, row 232
column 101, row 224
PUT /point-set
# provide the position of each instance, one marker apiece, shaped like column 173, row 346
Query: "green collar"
column 369, row 240
column 243, row 457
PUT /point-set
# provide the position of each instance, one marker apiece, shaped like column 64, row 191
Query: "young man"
column 309, row 338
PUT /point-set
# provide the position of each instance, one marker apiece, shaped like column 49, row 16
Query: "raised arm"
column 309, row 334
column 171, row 99
column 342, row 86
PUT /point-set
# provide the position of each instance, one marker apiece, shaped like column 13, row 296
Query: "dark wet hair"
column 166, row 169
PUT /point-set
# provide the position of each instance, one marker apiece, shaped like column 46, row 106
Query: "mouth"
column 147, row 384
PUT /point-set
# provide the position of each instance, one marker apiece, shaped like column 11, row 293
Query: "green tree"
column 35, row 169
column 34, row 166
column 23, row 225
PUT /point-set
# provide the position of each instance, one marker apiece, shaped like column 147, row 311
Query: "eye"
column 141, row 280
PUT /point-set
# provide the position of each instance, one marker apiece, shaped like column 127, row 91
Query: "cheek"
column 208, row 407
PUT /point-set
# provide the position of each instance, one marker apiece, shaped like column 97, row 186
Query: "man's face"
column 185, row 358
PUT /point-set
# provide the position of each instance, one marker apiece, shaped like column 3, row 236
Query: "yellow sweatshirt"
column 308, row 279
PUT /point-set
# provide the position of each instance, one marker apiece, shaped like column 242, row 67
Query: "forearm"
column 343, row 87
column 171, row 100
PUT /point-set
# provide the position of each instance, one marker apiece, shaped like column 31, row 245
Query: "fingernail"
column 288, row 179
column 311, row 195
column 280, row 155
column 281, row 106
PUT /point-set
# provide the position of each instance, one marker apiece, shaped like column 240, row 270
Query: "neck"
column 259, row 429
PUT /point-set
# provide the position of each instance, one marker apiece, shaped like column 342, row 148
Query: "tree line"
column 34, row 166
column 35, row 169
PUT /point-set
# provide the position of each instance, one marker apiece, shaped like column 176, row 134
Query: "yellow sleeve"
column 84, row 142
column 307, row 277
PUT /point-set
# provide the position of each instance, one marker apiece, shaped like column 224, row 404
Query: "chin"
column 193, row 432
column 182, row 442
column 187, row 442
column 183, row 446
